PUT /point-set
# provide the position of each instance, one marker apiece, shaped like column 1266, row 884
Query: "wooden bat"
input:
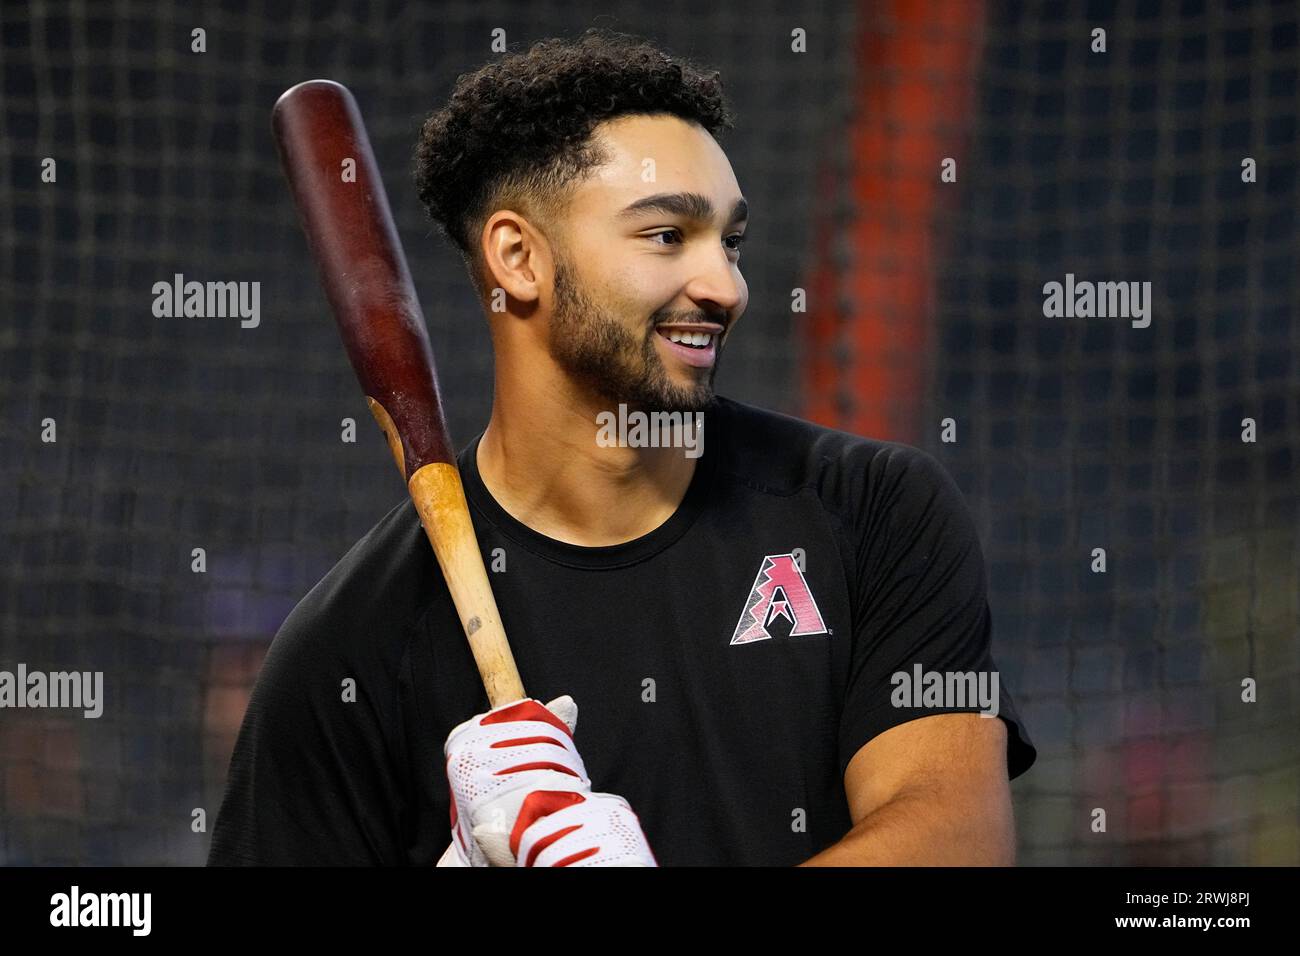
column 344, row 211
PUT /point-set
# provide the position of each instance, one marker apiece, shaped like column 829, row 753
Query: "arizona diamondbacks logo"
column 779, row 591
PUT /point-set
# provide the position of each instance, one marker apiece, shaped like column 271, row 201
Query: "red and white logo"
column 779, row 591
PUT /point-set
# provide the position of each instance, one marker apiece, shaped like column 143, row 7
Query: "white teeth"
column 697, row 339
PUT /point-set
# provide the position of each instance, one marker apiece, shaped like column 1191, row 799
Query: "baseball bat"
column 344, row 211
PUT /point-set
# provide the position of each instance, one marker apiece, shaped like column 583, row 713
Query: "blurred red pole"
column 916, row 81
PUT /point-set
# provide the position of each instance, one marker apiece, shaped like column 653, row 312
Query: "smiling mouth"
column 694, row 346
column 692, row 340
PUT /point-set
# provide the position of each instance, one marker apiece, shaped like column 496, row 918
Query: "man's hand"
column 520, row 795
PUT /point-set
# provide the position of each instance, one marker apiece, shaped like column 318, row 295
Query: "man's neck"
column 543, row 465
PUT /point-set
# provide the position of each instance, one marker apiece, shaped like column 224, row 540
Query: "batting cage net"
column 918, row 174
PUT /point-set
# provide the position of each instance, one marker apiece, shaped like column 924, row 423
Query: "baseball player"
column 759, row 619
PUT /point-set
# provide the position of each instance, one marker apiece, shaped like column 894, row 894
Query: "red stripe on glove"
column 536, row 805
column 581, row 855
column 520, row 741
column 527, row 710
column 537, row 765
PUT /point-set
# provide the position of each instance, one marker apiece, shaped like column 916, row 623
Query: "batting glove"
column 520, row 795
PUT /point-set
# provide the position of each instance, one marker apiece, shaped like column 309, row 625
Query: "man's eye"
column 667, row 232
column 738, row 238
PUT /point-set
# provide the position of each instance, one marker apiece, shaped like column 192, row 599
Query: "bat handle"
column 440, row 499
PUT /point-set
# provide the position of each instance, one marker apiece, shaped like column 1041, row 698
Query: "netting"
column 175, row 434
column 1075, row 434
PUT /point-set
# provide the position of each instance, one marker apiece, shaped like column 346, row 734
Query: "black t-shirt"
column 726, row 666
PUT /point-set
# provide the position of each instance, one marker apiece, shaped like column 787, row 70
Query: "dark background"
column 924, row 303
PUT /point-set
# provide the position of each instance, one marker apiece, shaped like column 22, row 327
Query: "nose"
column 718, row 286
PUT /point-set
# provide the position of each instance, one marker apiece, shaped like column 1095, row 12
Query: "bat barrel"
column 344, row 210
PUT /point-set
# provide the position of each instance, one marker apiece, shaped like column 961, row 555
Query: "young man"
column 737, row 616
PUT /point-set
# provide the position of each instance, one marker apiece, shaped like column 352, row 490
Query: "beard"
column 599, row 351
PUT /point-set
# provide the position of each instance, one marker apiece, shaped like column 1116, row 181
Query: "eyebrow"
column 693, row 206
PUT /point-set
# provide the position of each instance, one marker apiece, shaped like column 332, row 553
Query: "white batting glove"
column 520, row 795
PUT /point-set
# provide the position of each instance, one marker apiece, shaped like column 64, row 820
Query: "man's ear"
column 516, row 257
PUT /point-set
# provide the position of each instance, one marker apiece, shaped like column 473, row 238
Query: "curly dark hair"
column 517, row 133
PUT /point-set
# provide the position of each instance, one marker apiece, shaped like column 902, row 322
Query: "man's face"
column 629, row 280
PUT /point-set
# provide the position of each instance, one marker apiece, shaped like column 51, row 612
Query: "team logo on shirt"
column 779, row 591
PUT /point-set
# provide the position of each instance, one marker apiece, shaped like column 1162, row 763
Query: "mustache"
column 700, row 319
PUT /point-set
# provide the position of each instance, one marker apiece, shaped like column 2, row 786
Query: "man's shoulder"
column 782, row 454
column 380, row 586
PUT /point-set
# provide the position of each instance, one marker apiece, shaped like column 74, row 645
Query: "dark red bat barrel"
column 350, row 230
